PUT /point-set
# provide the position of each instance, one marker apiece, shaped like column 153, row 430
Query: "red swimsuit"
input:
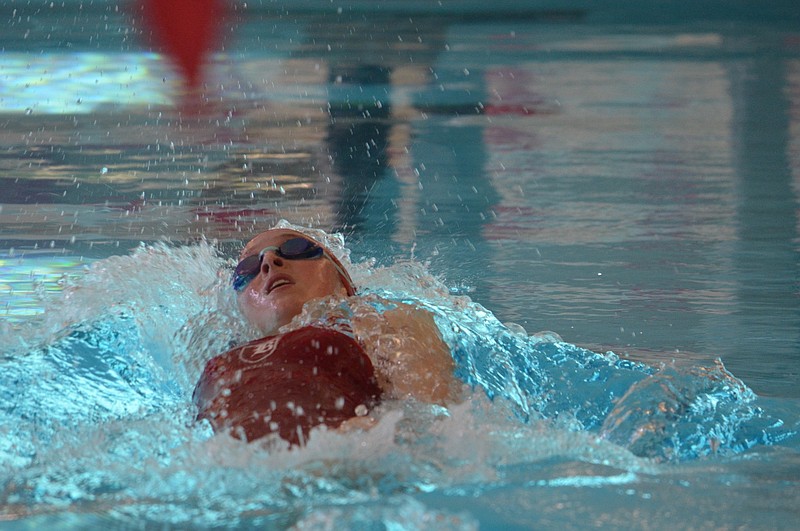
column 287, row 384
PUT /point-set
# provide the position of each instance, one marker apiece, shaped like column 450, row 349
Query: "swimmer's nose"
column 270, row 260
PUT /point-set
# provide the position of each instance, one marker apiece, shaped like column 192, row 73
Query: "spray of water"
column 97, row 416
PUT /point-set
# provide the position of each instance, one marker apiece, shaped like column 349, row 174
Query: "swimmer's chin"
column 266, row 326
column 313, row 311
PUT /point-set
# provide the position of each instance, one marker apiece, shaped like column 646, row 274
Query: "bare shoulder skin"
column 410, row 357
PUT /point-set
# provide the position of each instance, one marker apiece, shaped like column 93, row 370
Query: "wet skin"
column 282, row 287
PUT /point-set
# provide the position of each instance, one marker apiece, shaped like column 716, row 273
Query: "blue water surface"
column 599, row 204
column 99, row 421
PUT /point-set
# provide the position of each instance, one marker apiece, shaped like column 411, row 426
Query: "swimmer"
column 333, row 372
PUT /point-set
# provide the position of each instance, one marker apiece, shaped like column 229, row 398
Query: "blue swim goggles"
column 292, row 249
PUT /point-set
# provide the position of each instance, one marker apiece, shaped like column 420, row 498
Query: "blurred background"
column 624, row 174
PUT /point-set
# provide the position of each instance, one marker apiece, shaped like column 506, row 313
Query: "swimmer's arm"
column 426, row 370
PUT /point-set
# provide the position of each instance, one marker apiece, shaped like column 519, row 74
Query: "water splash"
column 96, row 415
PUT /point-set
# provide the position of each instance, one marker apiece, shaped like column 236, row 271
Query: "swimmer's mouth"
column 277, row 283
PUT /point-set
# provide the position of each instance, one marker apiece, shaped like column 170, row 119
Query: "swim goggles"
column 292, row 249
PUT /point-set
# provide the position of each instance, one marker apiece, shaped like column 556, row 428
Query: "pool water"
column 596, row 210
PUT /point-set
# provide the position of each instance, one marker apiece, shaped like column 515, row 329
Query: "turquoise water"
column 630, row 188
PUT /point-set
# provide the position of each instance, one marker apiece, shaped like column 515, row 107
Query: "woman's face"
column 282, row 287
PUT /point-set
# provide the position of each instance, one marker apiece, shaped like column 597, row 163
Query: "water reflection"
column 392, row 93
column 358, row 141
column 630, row 190
column 765, row 259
